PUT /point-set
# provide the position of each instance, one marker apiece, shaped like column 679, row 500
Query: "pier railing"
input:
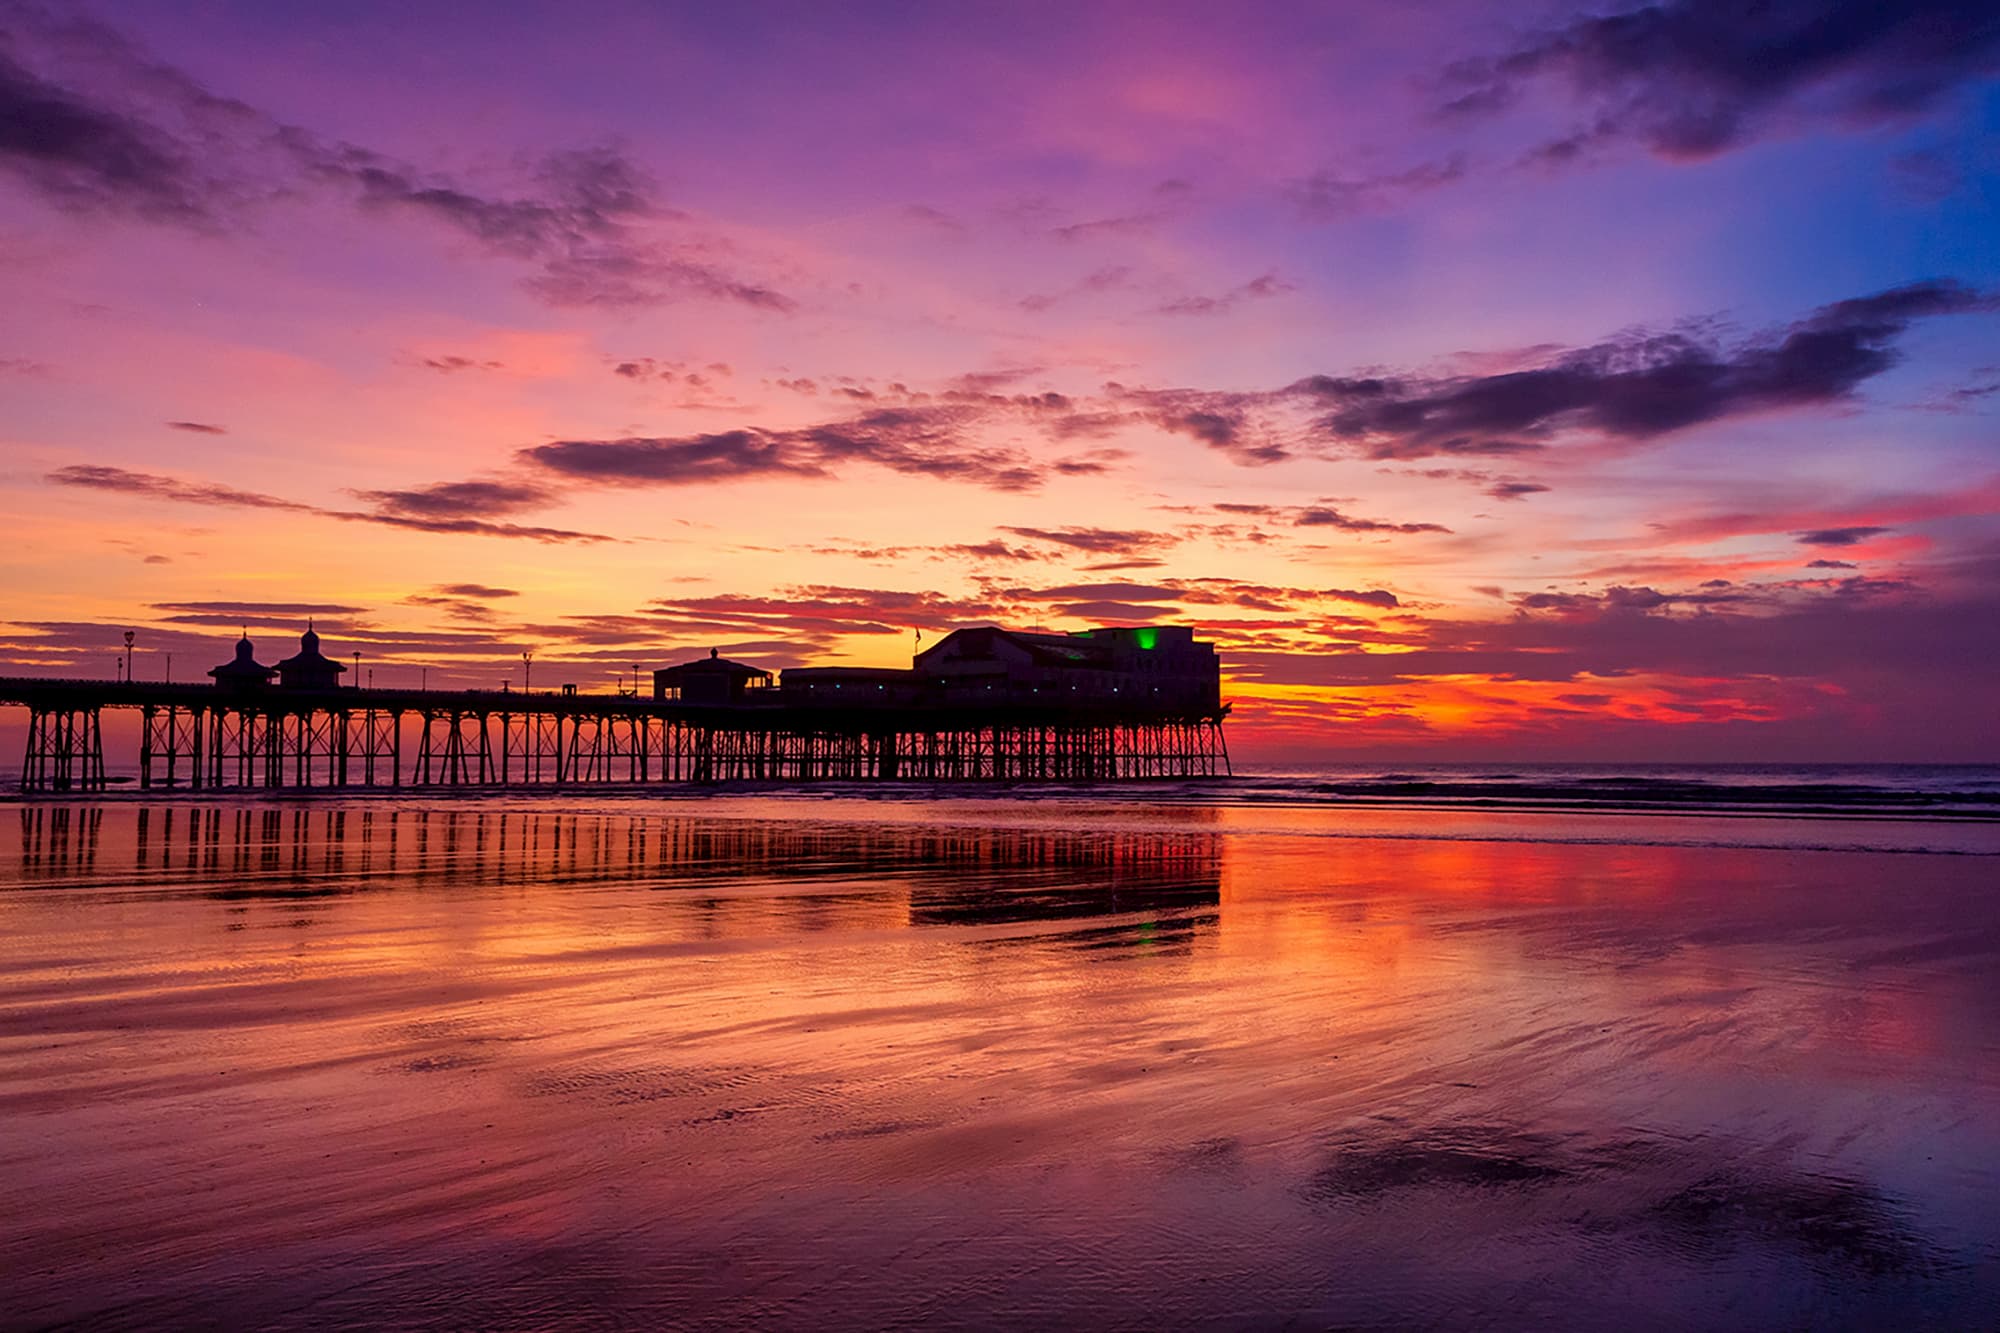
column 200, row 736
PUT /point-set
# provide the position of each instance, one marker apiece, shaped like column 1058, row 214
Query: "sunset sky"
column 1538, row 381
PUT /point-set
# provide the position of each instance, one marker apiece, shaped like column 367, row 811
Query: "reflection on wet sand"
column 311, row 1065
column 944, row 876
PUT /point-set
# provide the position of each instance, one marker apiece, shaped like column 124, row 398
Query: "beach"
column 885, row 666
column 779, row 1060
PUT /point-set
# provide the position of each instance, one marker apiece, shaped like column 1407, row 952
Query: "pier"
column 194, row 736
column 710, row 721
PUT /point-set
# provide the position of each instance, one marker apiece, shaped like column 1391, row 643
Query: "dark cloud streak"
column 1853, row 536
column 926, row 441
column 153, row 486
column 459, row 499
column 1109, row 541
column 83, row 156
column 1636, row 387
column 97, row 477
column 1688, row 79
column 1331, row 196
column 139, row 138
column 1321, row 516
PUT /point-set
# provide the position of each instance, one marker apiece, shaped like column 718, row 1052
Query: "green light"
column 1148, row 637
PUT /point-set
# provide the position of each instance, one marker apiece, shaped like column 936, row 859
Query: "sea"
column 1452, row 1047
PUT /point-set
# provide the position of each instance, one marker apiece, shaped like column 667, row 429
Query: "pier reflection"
column 884, row 874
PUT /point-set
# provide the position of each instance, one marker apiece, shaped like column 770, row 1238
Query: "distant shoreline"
column 1247, row 791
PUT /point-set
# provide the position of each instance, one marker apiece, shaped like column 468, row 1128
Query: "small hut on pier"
column 244, row 672
column 712, row 680
column 309, row 669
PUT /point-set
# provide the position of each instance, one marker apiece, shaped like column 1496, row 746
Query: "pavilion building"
column 713, row 680
column 243, row 673
column 309, row 669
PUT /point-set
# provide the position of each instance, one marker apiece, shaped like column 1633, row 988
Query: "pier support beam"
column 65, row 750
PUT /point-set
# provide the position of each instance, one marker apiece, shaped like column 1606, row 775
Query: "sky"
column 1538, row 381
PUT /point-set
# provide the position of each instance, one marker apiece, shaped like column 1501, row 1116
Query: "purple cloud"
column 1689, row 79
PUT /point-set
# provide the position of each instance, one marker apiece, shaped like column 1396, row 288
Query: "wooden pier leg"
column 177, row 724
column 94, row 779
column 454, row 750
column 423, row 772
column 34, row 759
column 148, row 720
column 66, row 756
column 58, row 751
column 182, row 730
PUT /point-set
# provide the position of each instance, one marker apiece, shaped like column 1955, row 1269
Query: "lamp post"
column 129, row 636
column 635, row 680
column 528, row 671
column 357, row 668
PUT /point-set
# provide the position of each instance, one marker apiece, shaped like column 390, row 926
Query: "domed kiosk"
column 244, row 672
column 309, row 669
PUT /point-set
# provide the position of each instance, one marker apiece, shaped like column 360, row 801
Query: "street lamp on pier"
column 527, row 671
column 357, row 668
column 129, row 636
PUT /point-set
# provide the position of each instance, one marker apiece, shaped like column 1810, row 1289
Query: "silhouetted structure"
column 1154, row 667
column 711, row 680
column 309, row 669
column 243, row 673
column 854, row 687
column 982, row 704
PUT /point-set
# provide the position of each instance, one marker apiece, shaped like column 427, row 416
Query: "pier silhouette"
column 983, row 705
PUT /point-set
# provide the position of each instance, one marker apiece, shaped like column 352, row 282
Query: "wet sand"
column 769, row 1063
